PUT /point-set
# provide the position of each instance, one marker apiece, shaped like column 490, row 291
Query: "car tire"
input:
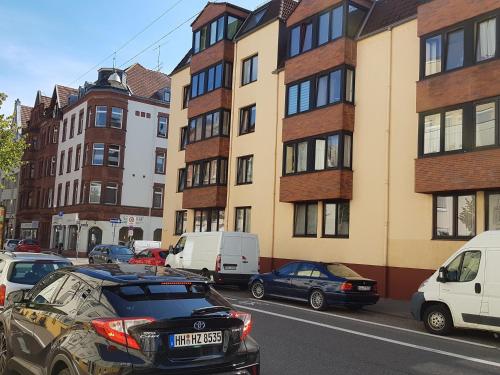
column 257, row 290
column 317, row 300
column 64, row 372
column 109, row 261
column 4, row 353
column 438, row 320
column 91, row 260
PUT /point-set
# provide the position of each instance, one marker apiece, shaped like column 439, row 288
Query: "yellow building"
column 361, row 132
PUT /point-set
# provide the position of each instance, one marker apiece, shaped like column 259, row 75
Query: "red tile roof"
column 144, row 82
column 46, row 100
column 25, row 115
column 63, row 93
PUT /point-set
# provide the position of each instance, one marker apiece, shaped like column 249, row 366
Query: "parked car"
column 129, row 319
column 320, row 284
column 23, row 270
column 10, row 244
column 227, row 257
column 154, row 257
column 29, row 246
column 138, row 245
column 110, row 254
column 465, row 291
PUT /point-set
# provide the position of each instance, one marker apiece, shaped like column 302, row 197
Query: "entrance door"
column 72, row 235
column 95, row 238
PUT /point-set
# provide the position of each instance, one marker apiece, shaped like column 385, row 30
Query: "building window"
column 433, row 55
column 61, row 163
column 101, row 113
column 111, row 194
column 245, row 170
column 213, row 124
column 454, row 216
column 70, row 160
column 336, row 219
column 59, row 194
column 455, row 49
column 180, row 222
column 65, row 129
column 114, row 156
column 432, row 133
column 181, row 180
column 301, row 39
column 160, row 162
column 98, row 154
column 210, row 79
column 95, row 193
column 162, row 126
column 305, row 219
column 242, row 219
column 185, row 96
column 209, row 34
column 206, row 173
column 209, row 220
column 55, row 134
column 72, row 126
column 66, row 193
column 184, row 138
column 116, row 118
column 80, row 122
column 355, row 17
column 486, row 40
column 492, row 210
column 485, row 129
column 53, row 162
column 50, row 196
column 233, row 25
column 250, row 70
column 247, row 119
column 158, row 197
column 329, row 151
column 75, row 192
column 77, row 157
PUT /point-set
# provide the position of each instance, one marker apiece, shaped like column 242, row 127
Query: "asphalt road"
column 297, row 340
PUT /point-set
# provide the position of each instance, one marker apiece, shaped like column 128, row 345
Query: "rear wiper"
column 210, row 310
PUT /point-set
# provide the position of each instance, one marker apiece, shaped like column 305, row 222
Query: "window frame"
column 307, row 204
column 100, row 192
column 209, row 212
column 247, row 219
column 184, row 138
column 181, row 177
column 111, row 122
column 158, row 133
column 159, row 154
column 221, row 176
column 249, row 127
column 223, row 127
column 72, row 126
column 487, row 208
column 69, row 162
column 455, row 196
column 226, row 83
column 103, row 153
column 113, row 186
column 180, row 217
column 161, row 189
column 337, row 202
column 208, row 25
column 244, row 162
column 254, row 64
column 116, row 148
column 98, row 109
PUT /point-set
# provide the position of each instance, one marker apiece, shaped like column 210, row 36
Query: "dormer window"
column 165, row 95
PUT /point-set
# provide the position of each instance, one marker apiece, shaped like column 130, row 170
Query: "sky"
column 54, row 41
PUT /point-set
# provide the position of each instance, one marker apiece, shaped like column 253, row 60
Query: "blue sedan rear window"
column 30, row 273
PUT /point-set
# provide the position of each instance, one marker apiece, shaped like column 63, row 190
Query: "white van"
column 138, row 245
column 226, row 257
column 465, row 291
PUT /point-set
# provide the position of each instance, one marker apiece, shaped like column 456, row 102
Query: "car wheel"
column 109, row 261
column 4, row 352
column 64, row 372
column 317, row 300
column 438, row 320
column 258, row 290
column 91, row 261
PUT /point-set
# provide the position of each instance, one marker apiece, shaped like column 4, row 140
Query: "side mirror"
column 18, row 296
column 443, row 275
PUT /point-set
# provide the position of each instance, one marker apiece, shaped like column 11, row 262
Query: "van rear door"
column 231, row 253
column 490, row 307
column 249, row 255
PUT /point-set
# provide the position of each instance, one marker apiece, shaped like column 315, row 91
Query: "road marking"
column 376, row 324
column 379, row 338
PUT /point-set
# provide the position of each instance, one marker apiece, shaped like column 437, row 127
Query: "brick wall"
column 216, row 99
column 209, row 148
column 204, row 197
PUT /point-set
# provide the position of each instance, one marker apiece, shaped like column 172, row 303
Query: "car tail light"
column 258, row 265
column 217, row 264
column 346, row 287
column 375, row 288
column 3, row 290
column 116, row 330
column 246, row 318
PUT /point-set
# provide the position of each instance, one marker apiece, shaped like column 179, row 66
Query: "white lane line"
column 374, row 324
column 379, row 338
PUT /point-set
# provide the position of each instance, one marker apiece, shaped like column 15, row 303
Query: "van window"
column 464, row 267
column 180, row 245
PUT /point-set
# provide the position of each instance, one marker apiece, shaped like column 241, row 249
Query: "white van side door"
column 463, row 292
column 490, row 307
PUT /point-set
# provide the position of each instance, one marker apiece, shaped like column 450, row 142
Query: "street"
column 296, row 340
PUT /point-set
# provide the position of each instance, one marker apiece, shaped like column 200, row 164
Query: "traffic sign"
column 115, row 221
column 60, row 214
column 131, row 221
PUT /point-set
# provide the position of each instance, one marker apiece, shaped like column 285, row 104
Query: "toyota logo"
column 199, row 325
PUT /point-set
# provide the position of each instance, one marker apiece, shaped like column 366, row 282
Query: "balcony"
column 207, row 149
column 324, row 185
column 222, row 50
column 220, row 98
column 475, row 170
column 204, row 197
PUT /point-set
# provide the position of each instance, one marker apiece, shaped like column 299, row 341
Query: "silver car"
column 10, row 244
column 23, row 270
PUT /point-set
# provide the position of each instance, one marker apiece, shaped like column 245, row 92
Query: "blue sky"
column 54, row 41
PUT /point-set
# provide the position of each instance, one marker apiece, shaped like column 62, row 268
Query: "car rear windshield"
column 30, row 273
column 341, row 270
column 13, row 242
column 161, row 301
column 121, row 251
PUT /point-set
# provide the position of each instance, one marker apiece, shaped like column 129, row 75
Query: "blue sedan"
column 320, row 284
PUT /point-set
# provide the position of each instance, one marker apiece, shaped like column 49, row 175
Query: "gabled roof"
column 224, row 3
column 385, row 13
column 274, row 9
column 25, row 115
column 61, row 95
column 186, row 60
column 144, row 82
column 42, row 99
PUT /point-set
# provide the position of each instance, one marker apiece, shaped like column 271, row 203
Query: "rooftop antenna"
column 159, row 65
column 114, row 78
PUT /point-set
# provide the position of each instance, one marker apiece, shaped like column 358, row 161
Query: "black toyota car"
column 124, row 319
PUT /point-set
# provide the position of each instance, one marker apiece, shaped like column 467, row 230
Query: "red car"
column 153, row 257
column 28, row 246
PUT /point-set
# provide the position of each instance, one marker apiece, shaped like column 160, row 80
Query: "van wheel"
column 258, row 290
column 438, row 320
column 317, row 300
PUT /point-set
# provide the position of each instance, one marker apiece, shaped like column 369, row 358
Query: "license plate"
column 182, row 340
column 230, row 267
column 362, row 288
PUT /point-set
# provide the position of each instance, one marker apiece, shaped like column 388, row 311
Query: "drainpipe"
column 388, row 166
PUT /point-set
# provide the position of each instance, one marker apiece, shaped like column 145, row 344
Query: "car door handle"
column 477, row 288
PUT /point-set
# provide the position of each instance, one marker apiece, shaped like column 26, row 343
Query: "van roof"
column 485, row 239
column 203, row 234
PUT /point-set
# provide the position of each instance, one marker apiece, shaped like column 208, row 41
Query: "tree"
column 12, row 145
